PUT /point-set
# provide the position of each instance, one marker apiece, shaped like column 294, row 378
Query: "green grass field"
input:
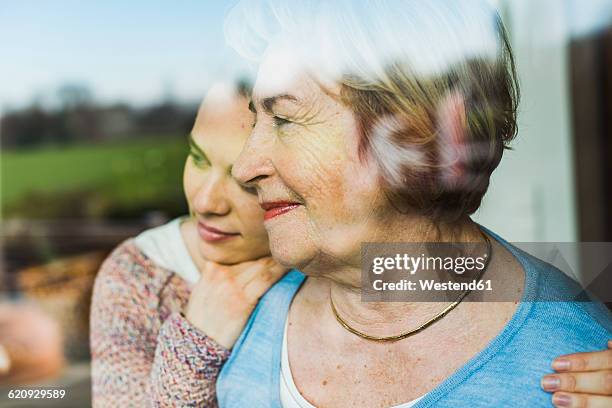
column 122, row 176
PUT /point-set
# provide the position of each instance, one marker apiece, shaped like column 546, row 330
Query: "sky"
column 137, row 51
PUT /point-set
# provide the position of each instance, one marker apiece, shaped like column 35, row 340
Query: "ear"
column 452, row 140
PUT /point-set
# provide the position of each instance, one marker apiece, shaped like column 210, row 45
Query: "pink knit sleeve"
column 186, row 366
column 137, row 359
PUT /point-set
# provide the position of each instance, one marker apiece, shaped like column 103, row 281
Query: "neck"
column 389, row 318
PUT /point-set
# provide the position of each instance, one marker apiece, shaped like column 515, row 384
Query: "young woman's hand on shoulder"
column 224, row 297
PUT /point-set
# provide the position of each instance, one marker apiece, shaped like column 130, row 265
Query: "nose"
column 254, row 163
column 211, row 197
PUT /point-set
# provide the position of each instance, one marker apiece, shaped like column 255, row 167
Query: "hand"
column 224, row 297
column 582, row 380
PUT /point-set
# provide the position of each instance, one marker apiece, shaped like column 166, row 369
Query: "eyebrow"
column 268, row 102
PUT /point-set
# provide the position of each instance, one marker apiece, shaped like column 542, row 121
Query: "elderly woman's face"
column 321, row 200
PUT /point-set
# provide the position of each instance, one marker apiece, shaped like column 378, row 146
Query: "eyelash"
column 249, row 190
column 198, row 160
column 278, row 121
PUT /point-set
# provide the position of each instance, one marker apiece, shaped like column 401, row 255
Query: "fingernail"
column 562, row 400
column 561, row 364
column 551, row 383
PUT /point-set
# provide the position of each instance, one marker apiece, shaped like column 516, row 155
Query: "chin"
column 221, row 255
column 291, row 240
column 291, row 252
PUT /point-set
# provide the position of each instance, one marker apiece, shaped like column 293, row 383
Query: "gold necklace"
column 422, row 326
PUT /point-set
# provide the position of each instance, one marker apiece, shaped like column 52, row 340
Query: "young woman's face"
column 228, row 218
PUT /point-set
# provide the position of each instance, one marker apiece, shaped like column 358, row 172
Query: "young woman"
column 169, row 304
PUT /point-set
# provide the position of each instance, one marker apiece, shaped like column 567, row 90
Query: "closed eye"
column 248, row 189
column 198, row 159
column 197, row 155
column 279, row 121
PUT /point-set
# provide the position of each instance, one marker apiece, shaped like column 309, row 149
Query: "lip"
column 276, row 208
column 211, row 234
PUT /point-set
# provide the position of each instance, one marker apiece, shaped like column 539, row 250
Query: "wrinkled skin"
column 304, row 149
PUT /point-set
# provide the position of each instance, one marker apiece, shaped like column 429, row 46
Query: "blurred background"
column 97, row 99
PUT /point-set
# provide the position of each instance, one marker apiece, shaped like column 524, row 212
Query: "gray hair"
column 399, row 63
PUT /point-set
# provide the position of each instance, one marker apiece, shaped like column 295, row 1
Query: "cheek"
column 189, row 180
column 326, row 171
column 309, row 162
column 350, row 196
column 342, row 193
column 351, row 215
column 254, row 219
column 193, row 181
column 249, row 213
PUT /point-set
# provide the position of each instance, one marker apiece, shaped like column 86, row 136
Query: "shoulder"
column 561, row 319
column 557, row 298
column 547, row 325
column 561, row 306
column 571, row 325
column 283, row 290
column 128, row 274
column 556, row 315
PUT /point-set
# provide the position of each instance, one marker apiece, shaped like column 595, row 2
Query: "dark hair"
column 244, row 87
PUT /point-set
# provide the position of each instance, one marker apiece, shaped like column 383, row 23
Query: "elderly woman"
column 383, row 124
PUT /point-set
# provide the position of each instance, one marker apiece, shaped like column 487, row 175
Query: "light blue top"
column 505, row 374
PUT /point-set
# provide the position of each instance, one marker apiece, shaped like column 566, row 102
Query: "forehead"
column 281, row 73
column 222, row 126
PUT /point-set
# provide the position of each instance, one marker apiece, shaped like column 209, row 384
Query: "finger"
column 567, row 400
column 257, row 287
column 277, row 271
column 267, row 269
column 209, row 270
column 596, row 360
column 597, row 382
column 252, row 270
column 214, row 272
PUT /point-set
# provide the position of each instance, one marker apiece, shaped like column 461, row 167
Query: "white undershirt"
column 289, row 394
column 165, row 246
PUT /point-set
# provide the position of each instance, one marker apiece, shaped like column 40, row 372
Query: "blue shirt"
column 505, row 374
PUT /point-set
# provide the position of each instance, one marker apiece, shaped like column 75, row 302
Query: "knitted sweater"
column 144, row 352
